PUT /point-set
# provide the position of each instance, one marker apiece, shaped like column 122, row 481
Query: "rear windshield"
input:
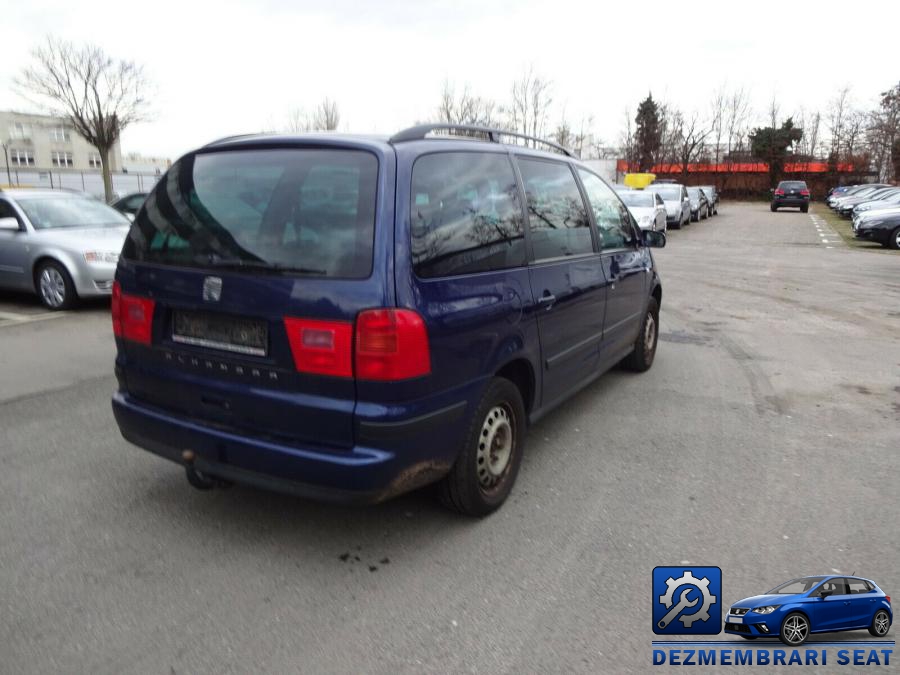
column 637, row 199
column 792, row 185
column 294, row 211
column 668, row 193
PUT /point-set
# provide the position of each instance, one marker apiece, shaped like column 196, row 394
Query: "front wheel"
column 641, row 358
column 486, row 468
column 894, row 239
column 55, row 286
column 794, row 630
column 881, row 624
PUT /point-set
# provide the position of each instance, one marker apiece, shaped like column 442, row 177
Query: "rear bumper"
column 790, row 201
column 361, row 474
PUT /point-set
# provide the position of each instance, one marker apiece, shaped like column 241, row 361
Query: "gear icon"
column 702, row 585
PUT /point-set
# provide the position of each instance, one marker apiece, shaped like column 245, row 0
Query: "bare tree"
column 297, row 121
column 837, row 112
column 98, row 95
column 774, row 109
column 327, row 116
column 737, row 113
column 717, row 122
column 466, row 108
column 530, row 104
column 690, row 140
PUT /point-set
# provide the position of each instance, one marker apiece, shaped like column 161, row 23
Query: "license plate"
column 735, row 619
column 217, row 331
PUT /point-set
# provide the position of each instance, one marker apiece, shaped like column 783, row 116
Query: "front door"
column 566, row 276
column 13, row 252
column 625, row 265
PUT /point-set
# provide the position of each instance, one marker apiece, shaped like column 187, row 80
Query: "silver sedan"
column 61, row 245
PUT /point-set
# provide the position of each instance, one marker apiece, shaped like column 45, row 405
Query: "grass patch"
column 845, row 229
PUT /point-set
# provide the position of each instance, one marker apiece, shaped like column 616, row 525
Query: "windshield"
column 49, row 212
column 668, row 193
column 305, row 211
column 637, row 199
column 792, row 185
column 694, row 193
column 796, row 586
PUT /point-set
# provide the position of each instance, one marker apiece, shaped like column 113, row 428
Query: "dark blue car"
column 823, row 604
column 351, row 318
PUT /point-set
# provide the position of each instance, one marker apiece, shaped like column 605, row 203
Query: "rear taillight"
column 321, row 347
column 132, row 316
column 391, row 344
column 779, row 191
column 888, row 598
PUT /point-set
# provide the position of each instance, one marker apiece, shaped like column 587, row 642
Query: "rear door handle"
column 547, row 299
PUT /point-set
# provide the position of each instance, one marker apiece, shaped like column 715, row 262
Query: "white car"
column 678, row 204
column 647, row 207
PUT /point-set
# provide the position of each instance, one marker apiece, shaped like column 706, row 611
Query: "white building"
column 45, row 143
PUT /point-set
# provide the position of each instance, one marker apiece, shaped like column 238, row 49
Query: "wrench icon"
column 680, row 605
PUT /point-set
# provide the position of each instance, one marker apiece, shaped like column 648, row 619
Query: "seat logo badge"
column 212, row 289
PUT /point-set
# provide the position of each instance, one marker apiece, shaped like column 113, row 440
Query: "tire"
column 894, row 239
column 641, row 358
column 481, row 479
column 54, row 286
column 804, row 209
column 881, row 624
column 773, row 208
column 798, row 626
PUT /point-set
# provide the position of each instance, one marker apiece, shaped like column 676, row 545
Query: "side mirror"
column 825, row 594
column 653, row 239
column 9, row 225
column 772, row 190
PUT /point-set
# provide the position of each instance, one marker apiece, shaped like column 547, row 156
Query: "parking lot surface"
column 763, row 440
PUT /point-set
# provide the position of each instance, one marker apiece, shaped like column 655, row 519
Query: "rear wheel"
column 484, row 473
column 804, row 209
column 881, row 624
column 641, row 358
column 54, row 286
column 773, row 208
column 894, row 239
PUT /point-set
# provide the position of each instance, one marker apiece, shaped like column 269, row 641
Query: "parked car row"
column 874, row 210
column 663, row 204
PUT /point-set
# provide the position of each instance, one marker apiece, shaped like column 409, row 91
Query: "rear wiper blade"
column 240, row 263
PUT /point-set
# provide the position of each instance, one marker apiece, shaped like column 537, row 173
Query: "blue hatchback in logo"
column 687, row 600
column 821, row 604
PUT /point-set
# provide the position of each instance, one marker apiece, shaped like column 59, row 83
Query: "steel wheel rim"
column 881, row 623
column 649, row 334
column 53, row 287
column 495, row 446
column 897, row 238
column 795, row 629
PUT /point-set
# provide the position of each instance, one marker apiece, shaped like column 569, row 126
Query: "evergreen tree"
column 648, row 133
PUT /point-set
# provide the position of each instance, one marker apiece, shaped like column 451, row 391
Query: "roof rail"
column 421, row 131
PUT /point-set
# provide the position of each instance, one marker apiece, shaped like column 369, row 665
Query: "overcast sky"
column 222, row 67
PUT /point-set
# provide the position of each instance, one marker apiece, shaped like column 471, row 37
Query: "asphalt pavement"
column 764, row 441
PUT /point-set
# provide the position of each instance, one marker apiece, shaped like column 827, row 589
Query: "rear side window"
column 304, row 211
column 558, row 221
column 465, row 215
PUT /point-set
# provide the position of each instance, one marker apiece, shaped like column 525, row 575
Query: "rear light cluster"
column 779, row 192
column 805, row 193
column 384, row 345
column 132, row 316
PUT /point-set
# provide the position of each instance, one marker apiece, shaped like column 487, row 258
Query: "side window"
column 838, row 586
column 858, row 586
column 558, row 220
column 7, row 211
column 465, row 215
column 611, row 215
column 659, row 201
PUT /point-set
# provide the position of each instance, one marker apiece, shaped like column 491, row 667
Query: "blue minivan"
column 353, row 317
